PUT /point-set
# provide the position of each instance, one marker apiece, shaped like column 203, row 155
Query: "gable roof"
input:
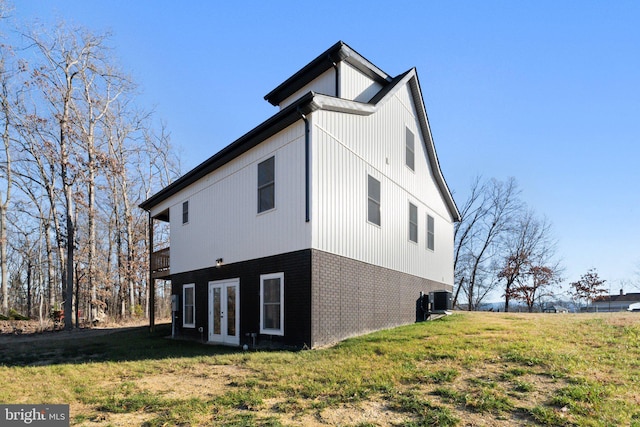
column 310, row 102
column 630, row 297
column 327, row 59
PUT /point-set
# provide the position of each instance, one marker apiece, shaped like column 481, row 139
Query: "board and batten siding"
column 223, row 218
column 347, row 148
column 325, row 84
column 354, row 85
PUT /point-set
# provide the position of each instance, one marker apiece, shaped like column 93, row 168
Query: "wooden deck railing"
column 160, row 263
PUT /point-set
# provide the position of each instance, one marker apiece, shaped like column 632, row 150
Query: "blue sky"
column 545, row 91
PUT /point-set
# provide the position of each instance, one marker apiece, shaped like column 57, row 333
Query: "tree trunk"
column 68, row 198
column 68, row 286
column 51, row 283
column 3, row 260
column 4, row 203
column 29, row 287
column 92, row 241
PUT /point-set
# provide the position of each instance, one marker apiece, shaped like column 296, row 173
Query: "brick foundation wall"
column 296, row 267
column 350, row 298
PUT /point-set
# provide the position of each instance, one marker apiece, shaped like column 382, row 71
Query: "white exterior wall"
column 356, row 86
column 223, row 218
column 325, row 84
column 347, row 148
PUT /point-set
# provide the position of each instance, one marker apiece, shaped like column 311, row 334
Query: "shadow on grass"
column 130, row 344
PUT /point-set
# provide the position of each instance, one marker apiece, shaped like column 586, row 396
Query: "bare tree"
column 101, row 85
column 70, row 73
column 37, row 177
column 7, row 74
column 123, row 127
column 6, row 175
column 465, row 232
column 529, row 243
column 492, row 211
column 79, row 158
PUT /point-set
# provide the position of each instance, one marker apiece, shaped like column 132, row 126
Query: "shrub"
column 14, row 315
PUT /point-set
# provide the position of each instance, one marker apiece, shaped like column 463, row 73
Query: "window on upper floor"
column 266, row 185
column 189, row 306
column 410, row 150
column 413, row 222
column 431, row 236
column 373, row 200
column 185, row 212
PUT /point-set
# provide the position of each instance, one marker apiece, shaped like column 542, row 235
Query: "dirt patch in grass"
column 496, row 395
column 115, row 420
column 375, row 412
column 209, row 382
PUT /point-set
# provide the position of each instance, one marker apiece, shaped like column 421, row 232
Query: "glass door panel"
column 224, row 311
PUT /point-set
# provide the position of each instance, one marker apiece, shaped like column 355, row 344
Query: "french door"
column 224, row 311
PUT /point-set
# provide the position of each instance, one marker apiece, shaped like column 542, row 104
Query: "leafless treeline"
column 78, row 155
column 503, row 246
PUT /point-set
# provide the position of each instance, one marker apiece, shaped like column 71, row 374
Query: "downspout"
column 335, row 67
column 307, row 178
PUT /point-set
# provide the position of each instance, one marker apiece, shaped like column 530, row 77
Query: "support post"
column 152, row 281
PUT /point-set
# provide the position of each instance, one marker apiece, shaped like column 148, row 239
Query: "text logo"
column 34, row 415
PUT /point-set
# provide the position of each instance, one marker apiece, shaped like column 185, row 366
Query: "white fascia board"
column 330, row 103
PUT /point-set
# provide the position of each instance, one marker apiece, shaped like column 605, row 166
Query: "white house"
column 323, row 222
column 619, row 302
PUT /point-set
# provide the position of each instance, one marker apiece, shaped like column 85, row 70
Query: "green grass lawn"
column 467, row 369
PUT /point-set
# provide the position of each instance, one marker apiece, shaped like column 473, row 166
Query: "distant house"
column 620, row 302
column 325, row 221
column 556, row 309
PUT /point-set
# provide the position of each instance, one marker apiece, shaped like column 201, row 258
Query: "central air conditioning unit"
column 441, row 301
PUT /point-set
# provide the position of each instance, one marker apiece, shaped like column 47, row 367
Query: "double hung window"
column 272, row 304
column 189, row 306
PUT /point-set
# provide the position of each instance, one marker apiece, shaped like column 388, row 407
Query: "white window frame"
column 263, row 330
column 413, row 223
column 431, row 232
column 184, row 305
